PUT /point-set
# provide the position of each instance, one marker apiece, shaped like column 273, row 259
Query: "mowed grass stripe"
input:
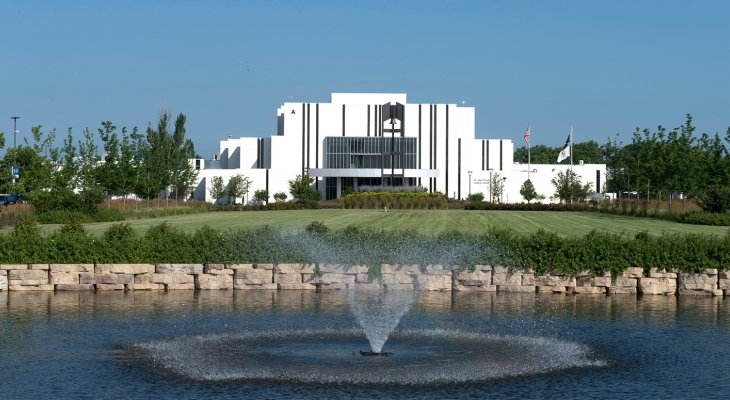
column 427, row 221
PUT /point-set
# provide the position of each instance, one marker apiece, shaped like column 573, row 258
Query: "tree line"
column 80, row 174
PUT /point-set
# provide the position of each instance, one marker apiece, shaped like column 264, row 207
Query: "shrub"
column 475, row 197
column 715, row 199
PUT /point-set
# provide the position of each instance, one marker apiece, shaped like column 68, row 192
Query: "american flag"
column 527, row 137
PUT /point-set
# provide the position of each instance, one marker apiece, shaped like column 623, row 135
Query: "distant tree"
column 302, row 188
column 568, row 186
column 261, row 195
column 475, row 197
column 127, row 162
column 528, row 191
column 496, row 186
column 281, row 196
column 238, row 186
column 217, row 189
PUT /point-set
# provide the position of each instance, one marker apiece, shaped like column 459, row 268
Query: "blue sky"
column 607, row 67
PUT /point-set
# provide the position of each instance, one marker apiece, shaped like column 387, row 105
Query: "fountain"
column 416, row 353
column 378, row 313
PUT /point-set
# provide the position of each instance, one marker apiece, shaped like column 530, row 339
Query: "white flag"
column 565, row 153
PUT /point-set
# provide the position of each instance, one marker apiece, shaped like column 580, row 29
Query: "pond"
column 272, row 344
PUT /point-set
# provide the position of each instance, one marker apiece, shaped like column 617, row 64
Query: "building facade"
column 378, row 139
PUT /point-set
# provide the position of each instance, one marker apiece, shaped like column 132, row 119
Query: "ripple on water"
column 423, row 356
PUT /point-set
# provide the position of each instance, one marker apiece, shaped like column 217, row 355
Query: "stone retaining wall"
column 484, row 278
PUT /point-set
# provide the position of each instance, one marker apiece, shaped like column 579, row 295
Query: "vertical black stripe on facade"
column 430, row 137
column 500, row 155
column 368, row 120
column 304, row 128
column 447, row 150
column 458, row 170
column 267, row 180
column 598, row 181
column 435, row 143
column 487, row 154
column 309, row 129
column 419, row 141
column 316, row 136
column 343, row 120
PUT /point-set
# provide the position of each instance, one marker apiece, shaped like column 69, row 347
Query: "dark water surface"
column 238, row 344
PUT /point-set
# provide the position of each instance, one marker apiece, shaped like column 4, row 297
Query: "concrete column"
column 339, row 187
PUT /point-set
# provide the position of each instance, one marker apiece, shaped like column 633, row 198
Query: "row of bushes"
column 652, row 210
column 393, row 194
column 283, row 205
column 540, row 250
column 529, row 206
column 394, row 202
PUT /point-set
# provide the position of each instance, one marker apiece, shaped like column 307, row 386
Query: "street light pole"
column 501, row 192
column 469, row 183
column 490, row 184
column 15, row 134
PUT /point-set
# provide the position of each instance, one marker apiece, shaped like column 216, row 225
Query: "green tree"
column 238, row 186
column 281, row 196
column 127, row 165
column 109, row 171
column 303, row 188
column 36, row 171
column 217, row 189
column 262, row 195
column 528, row 191
column 568, row 186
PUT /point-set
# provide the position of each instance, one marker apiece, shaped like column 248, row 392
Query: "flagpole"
column 528, row 153
column 571, row 147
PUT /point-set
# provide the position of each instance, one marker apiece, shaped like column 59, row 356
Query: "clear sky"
column 607, row 67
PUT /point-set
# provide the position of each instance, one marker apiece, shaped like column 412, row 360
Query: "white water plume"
column 378, row 312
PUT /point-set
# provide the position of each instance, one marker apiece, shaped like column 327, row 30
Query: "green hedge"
column 529, row 206
column 541, row 250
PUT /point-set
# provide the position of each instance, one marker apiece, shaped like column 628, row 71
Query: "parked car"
column 13, row 199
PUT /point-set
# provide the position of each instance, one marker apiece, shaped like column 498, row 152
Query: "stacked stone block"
column 215, row 277
column 722, row 284
column 28, row 277
column 702, row 283
column 253, row 276
column 479, row 280
column 554, row 282
column 294, row 277
column 627, row 283
column 516, row 281
column 68, row 276
column 658, row 281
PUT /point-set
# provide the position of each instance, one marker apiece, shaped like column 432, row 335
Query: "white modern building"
column 379, row 139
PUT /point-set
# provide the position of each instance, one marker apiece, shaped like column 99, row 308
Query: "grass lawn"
column 432, row 221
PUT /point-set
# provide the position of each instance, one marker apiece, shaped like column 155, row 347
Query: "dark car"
column 13, row 199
